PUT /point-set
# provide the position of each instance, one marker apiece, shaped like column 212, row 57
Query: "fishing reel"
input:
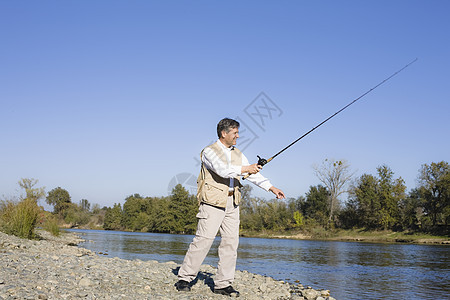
column 261, row 161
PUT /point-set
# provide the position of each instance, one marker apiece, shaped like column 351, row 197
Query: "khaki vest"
column 213, row 189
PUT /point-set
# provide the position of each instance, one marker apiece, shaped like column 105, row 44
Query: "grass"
column 376, row 236
column 50, row 224
column 385, row 236
column 19, row 218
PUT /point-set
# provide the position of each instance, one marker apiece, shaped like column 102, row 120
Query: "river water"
column 350, row 270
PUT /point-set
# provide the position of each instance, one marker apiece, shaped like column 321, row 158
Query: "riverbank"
column 55, row 268
column 342, row 235
column 353, row 236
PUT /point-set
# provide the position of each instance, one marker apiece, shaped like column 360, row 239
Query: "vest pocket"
column 212, row 187
column 214, row 195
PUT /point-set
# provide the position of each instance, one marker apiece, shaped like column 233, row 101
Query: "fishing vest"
column 213, row 189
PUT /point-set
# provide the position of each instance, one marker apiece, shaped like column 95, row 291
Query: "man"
column 219, row 195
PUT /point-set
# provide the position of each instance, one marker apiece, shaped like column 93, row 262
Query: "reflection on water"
column 349, row 270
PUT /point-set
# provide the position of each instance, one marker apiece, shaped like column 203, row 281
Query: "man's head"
column 228, row 131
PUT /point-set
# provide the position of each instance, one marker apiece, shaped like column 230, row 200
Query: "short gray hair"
column 226, row 125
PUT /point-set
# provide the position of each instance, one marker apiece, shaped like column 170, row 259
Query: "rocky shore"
column 55, row 268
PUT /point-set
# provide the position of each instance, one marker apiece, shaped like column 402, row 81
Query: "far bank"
column 319, row 233
column 355, row 235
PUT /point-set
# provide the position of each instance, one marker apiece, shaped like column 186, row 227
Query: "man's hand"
column 252, row 169
column 278, row 193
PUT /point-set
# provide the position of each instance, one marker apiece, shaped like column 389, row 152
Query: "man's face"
column 229, row 138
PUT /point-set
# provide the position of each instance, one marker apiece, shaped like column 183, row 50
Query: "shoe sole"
column 226, row 294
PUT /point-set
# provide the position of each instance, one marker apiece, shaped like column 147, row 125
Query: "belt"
column 230, row 193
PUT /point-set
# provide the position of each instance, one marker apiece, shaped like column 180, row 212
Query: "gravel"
column 55, row 268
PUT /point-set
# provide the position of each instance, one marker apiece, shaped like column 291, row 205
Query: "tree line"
column 173, row 214
column 374, row 202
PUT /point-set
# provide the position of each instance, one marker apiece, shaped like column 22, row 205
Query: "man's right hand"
column 251, row 169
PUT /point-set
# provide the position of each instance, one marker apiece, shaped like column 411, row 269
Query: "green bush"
column 20, row 218
column 51, row 225
column 75, row 216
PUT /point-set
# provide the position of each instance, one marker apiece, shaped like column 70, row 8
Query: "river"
column 350, row 270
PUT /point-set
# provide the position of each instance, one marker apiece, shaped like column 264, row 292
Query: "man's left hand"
column 278, row 193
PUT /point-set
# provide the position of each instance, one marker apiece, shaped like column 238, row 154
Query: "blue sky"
column 111, row 98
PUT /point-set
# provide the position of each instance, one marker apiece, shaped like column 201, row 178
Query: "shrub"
column 20, row 218
column 51, row 225
column 75, row 216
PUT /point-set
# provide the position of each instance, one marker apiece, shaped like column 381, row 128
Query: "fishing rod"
column 263, row 161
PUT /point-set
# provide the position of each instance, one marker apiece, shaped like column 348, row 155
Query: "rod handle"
column 261, row 162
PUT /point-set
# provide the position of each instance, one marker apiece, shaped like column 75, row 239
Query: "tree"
column 74, row 215
column 316, row 205
column 85, row 205
column 31, row 192
column 349, row 217
column 298, row 217
column 133, row 206
column 252, row 214
column 376, row 201
column 247, row 204
column 60, row 199
column 160, row 218
column 295, row 209
column 140, row 222
column 391, row 192
column 183, row 209
column 334, row 174
column 434, row 189
column 411, row 211
column 297, row 204
column 258, row 214
column 246, row 191
column 364, row 199
column 113, row 218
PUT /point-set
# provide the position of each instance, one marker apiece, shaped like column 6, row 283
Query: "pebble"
column 55, row 268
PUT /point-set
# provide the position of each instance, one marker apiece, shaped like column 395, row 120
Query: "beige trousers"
column 212, row 219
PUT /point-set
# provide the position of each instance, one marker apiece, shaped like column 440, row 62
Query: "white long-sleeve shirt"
column 214, row 163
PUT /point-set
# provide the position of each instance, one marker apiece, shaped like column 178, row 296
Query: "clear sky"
column 110, row 98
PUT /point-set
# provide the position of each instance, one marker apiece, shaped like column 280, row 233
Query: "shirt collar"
column 224, row 147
